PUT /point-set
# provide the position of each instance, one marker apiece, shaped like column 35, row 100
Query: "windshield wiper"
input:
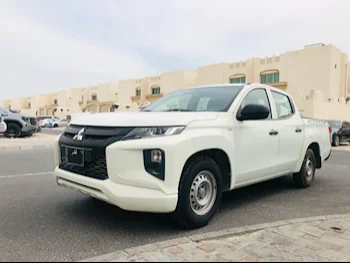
column 178, row 110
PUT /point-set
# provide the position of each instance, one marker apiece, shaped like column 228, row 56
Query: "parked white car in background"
column 61, row 123
column 182, row 152
column 44, row 122
column 3, row 125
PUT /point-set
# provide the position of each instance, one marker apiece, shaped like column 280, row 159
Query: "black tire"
column 306, row 176
column 184, row 216
column 13, row 131
column 336, row 141
column 55, row 126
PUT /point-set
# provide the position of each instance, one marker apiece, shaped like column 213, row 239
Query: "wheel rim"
column 12, row 133
column 309, row 168
column 337, row 140
column 203, row 193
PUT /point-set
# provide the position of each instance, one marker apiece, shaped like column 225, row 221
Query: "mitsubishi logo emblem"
column 80, row 135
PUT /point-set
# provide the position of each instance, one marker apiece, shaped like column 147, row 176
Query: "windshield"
column 335, row 124
column 214, row 99
column 3, row 111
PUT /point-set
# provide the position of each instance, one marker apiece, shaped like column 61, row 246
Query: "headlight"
column 151, row 132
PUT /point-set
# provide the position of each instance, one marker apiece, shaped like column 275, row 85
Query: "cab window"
column 283, row 105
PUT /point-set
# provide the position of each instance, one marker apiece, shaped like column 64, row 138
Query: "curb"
column 207, row 236
column 341, row 149
column 24, row 147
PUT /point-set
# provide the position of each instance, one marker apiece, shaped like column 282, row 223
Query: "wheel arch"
column 315, row 147
column 13, row 122
column 222, row 160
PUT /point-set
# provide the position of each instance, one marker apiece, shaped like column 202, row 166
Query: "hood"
column 142, row 119
column 19, row 115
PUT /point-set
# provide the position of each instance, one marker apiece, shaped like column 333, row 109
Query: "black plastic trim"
column 151, row 168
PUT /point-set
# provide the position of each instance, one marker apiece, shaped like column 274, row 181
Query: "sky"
column 48, row 46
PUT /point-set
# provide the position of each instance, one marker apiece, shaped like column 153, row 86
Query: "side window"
column 283, row 105
column 257, row 96
column 347, row 125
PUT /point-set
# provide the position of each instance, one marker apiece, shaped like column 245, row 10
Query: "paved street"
column 55, row 131
column 40, row 221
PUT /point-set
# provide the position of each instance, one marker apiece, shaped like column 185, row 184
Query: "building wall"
column 316, row 67
column 316, row 105
column 127, row 91
column 212, row 74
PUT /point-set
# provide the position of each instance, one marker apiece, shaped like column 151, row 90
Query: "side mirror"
column 254, row 112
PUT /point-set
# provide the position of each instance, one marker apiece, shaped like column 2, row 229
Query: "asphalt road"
column 54, row 131
column 42, row 222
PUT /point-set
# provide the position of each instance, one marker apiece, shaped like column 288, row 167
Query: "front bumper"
column 130, row 198
column 3, row 127
column 128, row 184
column 28, row 129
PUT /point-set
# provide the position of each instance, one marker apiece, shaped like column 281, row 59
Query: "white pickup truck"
column 182, row 152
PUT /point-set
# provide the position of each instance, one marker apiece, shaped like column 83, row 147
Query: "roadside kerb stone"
column 342, row 148
column 262, row 243
column 19, row 145
column 235, row 231
column 156, row 246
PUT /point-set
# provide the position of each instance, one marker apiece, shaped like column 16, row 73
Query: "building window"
column 270, row 77
column 237, row 80
column 138, row 92
column 29, row 105
column 94, row 97
column 55, row 101
column 155, row 90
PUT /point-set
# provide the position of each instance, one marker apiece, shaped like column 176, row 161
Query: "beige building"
column 149, row 89
column 316, row 67
column 317, row 76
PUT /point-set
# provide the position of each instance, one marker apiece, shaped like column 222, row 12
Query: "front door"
column 290, row 127
column 256, row 144
column 346, row 128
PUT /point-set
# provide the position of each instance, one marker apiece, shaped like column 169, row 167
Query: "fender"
column 206, row 136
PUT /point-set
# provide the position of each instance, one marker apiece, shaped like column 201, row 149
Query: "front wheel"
column 306, row 176
column 200, row 193
column 13, row 131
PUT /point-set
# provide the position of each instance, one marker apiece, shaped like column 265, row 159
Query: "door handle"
column 273, row 132
column 298, row 130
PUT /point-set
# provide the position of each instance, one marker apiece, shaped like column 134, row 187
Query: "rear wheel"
column 55, row 126
column 200, row 194
column 13, row 131
column 306, row 176
column 336, row 141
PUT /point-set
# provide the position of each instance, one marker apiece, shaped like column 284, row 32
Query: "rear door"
column 290, row 127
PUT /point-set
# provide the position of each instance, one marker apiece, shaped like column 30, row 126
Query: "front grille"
column 96, row 169
column 94, row 144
